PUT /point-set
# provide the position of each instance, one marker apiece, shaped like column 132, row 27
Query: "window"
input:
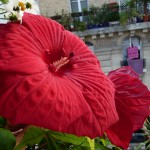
column 78, row 5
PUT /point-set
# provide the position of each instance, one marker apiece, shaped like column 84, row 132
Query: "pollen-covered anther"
column 55, row 66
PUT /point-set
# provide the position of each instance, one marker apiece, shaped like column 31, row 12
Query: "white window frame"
column 79, row 4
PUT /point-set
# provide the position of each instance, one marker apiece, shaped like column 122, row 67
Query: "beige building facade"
column 52, row 7
column 111, row 43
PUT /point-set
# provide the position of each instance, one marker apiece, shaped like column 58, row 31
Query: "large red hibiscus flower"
column 133, row 105
column 49, row 78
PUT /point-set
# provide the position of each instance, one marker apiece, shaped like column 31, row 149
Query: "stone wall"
column 108, row 41
column 97, row 2
column 52, row 7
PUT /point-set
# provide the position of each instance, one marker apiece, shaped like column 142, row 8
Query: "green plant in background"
column 136, row 5
column 7, row 139
column 123, row 18
column 4, row 1
column 129, row 13
column 99, row 15
column 93, row 16
column 107, row 13
column 132, row 10
column 113, row 14
column 49, row 140
column 31, row 138
column 85, row 11
column 80, row 26
column 146, row 129
column 65, row 19
column 103, row 14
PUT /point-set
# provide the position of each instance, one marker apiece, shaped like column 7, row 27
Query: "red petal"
column 132, row 104
column 79, row 100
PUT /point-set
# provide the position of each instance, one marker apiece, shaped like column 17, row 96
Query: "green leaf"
column 141, row 144
column 7, row 139
column 51, row 143
column 32, row 136
column 101, row 147
column 91, row 143
column 103, row 144
column 4, row 1
column 3, row 122
column 70, row 138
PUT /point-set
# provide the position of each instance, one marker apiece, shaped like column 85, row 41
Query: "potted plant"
column 113, row 15
column 65, row 20
column 104, row 14
column 123, row 18
column 80, row 26
column 144, row 4
column 93, row 17
column 145, row 7
column 129, row 14
column 145, row 18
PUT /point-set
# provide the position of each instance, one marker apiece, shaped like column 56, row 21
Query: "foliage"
column 113, row 16
column 32, row 137
column 65, row 19
column 3, row 122
column 143, row 3
column 99, row 15
column 94, row 17
column 123, row 18
column 146, row 130
column 104, row 13
column 113, row 10
column 50, row 140
column 7, row 139
column 4, row 1
column 129, row 13
column 79, row 26
column 94, row 13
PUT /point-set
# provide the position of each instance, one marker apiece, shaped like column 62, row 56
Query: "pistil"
column 55, row 66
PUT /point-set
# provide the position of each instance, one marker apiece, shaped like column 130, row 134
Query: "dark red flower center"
column 56, row 65
column 58, row 62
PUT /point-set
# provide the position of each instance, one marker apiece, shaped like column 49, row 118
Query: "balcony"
column 100, row 17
